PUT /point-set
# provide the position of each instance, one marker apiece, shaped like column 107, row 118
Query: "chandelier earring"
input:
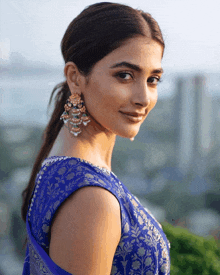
column 75, row 114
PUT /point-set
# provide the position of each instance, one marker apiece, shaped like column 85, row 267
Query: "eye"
column 154, row 80
column 124, row 75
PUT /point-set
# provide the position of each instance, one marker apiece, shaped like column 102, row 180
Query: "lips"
column 133, row 117
column 133, row 114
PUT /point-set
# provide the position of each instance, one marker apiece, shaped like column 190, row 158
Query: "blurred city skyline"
column 27, row 85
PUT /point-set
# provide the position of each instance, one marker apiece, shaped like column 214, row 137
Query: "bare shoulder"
column 87, row 226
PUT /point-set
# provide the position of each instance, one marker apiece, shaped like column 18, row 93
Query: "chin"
column 128, row 133
column 124, row 131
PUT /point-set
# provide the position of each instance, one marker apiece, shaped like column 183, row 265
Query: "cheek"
column 153, row 100
column 100, row 100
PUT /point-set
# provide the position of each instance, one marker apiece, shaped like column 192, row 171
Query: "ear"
column 73, row 77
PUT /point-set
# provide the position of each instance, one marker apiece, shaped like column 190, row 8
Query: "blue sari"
column 37, row 261
column 143, row 247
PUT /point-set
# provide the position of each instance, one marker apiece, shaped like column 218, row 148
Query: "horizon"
column 35, row 28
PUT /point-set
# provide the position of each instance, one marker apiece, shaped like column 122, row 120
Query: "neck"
column 96, row 148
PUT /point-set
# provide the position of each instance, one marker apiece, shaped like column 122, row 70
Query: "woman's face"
column 122, row 87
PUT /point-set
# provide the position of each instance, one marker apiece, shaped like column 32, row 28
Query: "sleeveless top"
column 143, row 247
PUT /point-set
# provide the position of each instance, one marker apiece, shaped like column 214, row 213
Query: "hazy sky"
column 35, row 28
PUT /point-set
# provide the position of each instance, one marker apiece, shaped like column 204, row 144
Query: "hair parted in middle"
column 103, row 27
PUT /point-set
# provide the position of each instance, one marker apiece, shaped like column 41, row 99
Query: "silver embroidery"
column 141, row 243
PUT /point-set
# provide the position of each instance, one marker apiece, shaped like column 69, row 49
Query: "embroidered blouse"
column 143, row 247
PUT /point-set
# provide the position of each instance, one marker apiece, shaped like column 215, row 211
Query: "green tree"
column 191, row 254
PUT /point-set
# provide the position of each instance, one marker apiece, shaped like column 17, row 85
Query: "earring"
column 75, row 114
column 131, row 139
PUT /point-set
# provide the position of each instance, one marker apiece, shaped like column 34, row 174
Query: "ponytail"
column 50, row 134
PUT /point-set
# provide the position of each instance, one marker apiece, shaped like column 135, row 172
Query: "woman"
column 80, row 218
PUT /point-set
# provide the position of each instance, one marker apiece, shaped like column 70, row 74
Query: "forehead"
column 139, row 50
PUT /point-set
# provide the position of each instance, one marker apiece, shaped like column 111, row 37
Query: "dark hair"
column 94, row 33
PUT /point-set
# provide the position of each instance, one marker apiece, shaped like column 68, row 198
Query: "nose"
column 141, row 96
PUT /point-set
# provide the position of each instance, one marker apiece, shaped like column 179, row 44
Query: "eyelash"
column 158, row 79
column 124, row 73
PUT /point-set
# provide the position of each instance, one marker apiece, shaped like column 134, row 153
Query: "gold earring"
column 75, row 114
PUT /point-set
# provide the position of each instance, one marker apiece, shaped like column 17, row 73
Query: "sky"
column 34, row 28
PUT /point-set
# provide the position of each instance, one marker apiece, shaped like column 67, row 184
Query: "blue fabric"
column 37, row 261
column 143, row 247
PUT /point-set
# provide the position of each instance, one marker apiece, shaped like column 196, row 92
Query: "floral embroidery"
column 143, row 247
column 36, row 262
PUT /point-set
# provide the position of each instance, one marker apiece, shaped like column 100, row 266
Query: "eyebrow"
column 135, row 67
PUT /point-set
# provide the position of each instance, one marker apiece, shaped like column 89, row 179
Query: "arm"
column 86, row 232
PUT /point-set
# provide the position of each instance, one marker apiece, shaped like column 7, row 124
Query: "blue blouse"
column 143, row 247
